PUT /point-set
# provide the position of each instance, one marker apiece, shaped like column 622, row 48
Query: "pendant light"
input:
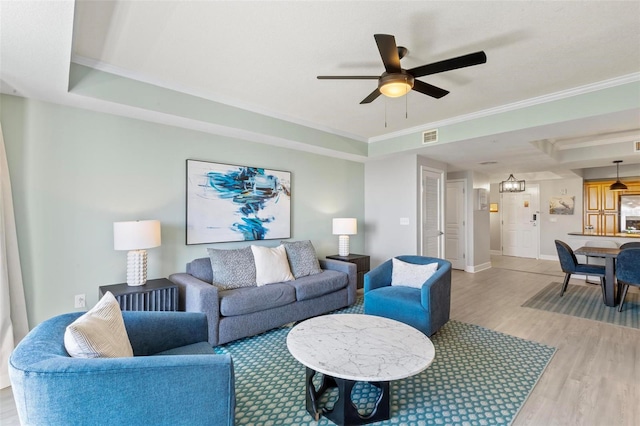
column 617, row 185
column 511, row 185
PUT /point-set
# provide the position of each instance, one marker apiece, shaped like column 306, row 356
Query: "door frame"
column 441, row 211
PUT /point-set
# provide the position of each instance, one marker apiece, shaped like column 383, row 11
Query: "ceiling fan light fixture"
column 617, row 185
column 395, row 85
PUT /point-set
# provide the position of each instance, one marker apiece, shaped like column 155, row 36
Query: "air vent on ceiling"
column 636, row 146
column 430, row 136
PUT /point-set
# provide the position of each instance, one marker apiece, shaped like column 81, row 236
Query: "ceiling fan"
column 396, row 81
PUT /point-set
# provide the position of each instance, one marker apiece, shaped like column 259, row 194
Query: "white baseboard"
column 549, row 257
column 477, row 268
column 496, row 252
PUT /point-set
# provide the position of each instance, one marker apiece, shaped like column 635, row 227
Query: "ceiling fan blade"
column 372, row 97
column 471, row 59
column 388, row 52
column 348, row 77
column 428, row 89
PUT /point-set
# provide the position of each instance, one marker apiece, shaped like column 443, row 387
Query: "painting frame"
column 562, row 205
column 234, row 203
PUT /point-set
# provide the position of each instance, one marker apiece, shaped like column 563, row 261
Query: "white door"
column 455, row 235
column 520, row 218
column 432, row 202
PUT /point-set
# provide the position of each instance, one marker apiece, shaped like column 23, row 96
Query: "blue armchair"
column 174, row 377
column 426, row 308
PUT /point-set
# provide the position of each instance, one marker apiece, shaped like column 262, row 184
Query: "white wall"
column 556, row 227
column 75, row 172
column 495, row 225
column 391, row 193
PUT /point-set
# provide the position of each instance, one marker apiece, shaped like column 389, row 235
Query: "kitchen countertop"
column 609, row 234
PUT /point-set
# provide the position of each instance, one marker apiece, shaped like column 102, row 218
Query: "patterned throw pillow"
column 303, row 259
column 410, row 274
column 99, row 333
column 233, row 268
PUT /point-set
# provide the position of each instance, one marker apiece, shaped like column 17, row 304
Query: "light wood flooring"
column 593, row 379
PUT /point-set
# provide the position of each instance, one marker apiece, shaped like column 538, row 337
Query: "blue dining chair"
column 569, row 264
column 633, row 244
column 627, row 272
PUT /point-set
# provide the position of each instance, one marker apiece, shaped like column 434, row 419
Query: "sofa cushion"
column 99, row 333
column 233, row 268
column 201, row 269
column 241, row 301
column 317, row 285
column 271, row 265
column 303, row 259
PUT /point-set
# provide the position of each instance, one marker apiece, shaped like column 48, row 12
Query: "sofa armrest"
column 199, row 296
column 190, row 389
column 153, row 332
column 348, row 268
column 380, row 276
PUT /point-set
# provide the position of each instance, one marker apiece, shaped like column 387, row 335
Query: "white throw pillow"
column 99, row 333
column 272, row 265
column 410, row 274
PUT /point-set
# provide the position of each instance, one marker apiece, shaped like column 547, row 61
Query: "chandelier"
column 511, row 185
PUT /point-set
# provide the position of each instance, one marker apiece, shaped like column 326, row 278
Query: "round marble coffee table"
column 350, row 348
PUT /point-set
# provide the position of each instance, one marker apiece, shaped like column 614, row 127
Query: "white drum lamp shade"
column 344, row 226
column 136, row 236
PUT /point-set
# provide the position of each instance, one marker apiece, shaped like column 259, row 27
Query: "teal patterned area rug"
column 586, row 302
column 479, row 377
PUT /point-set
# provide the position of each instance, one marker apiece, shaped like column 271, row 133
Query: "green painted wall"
column 74, row 172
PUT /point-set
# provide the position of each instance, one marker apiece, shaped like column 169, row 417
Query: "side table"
column 360, row 260
column 155, row 295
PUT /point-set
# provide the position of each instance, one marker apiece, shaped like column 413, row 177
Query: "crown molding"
column 588, row 88
column 121, row 72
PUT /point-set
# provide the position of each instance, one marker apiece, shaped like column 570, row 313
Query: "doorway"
column 432, row 216
column 520, row 220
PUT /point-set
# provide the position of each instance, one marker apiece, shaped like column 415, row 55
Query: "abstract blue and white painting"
column 236, row 203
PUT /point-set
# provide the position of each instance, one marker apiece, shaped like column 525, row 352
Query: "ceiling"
column 265, row 56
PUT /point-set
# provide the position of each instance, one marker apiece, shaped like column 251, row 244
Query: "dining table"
column 609, row 255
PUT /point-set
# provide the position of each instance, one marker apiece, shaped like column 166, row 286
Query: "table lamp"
column 344, row 226
column 136, row 236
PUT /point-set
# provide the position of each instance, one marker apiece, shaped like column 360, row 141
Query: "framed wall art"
column 562, row 205
column 236, row 203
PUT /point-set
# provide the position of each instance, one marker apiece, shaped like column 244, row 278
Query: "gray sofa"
column 241, row 312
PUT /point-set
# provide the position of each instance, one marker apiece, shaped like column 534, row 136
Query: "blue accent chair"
column 426, row 309
column 627, row 272
column 569, row 264
column 174, row 377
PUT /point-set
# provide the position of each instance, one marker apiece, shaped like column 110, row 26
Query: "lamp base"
column 136, row 267
column 343, row 245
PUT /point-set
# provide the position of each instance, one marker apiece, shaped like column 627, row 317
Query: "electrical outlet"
column 80, row 300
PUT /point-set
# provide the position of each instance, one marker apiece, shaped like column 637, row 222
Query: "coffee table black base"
column 344, row 411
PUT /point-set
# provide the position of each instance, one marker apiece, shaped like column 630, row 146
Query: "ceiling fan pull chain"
column 406, row 102
column 385, row 113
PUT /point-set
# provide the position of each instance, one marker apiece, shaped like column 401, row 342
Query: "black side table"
column 361, row 261
column 155, row 295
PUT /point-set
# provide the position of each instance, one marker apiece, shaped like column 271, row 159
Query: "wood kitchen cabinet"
column 601, row 208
